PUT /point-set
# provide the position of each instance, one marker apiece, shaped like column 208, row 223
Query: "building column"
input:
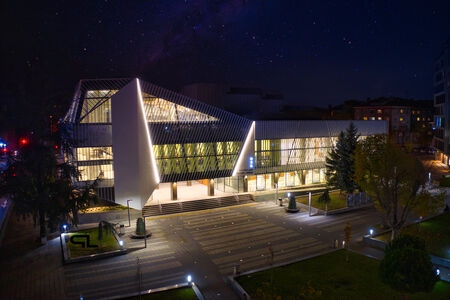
column 210, row 187
column 303, row 176
column 276, row 176
column 245, row 184
column 173, row 191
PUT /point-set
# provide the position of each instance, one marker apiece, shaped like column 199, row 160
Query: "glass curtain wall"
column 196, row 157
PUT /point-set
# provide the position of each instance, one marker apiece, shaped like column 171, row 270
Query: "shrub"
column 406, row 265
column 292, row 202
column 140, row 230
column 445, row 182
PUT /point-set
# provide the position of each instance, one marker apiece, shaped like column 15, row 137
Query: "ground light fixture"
column 65, row 227
column 438, row 272
column 121, row 243
column 189, row 278
column 371, row 232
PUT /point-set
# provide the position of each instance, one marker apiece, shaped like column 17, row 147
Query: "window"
column 402, row 111
column 418, row 118
column 401, row 119
column 365, row 118
column 380, row 111
column 372, row 118
column 418, row 112
column 380, row 118
column 413, row 112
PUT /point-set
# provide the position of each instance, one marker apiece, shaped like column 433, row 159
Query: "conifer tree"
column 340, row 162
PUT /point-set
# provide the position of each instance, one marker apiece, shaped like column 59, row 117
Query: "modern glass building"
column 134, row 135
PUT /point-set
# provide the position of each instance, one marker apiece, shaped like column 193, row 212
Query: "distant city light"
column 23, row 141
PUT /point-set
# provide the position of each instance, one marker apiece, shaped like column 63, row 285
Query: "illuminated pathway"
column 208, row 244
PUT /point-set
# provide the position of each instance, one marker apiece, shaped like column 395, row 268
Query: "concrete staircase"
column 194, row 205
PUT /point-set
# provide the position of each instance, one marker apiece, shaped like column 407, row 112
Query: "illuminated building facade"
column 134, row 135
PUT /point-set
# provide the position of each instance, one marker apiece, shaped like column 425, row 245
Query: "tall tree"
column 394, row 179
column 340, row 161
column 42, row 188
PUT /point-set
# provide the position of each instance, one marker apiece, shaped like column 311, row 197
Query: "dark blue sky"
column 316, row 52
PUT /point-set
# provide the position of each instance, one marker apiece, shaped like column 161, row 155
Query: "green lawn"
column 330, row 277
column 337, row 201
column 435, row 232
column 109, row 243
column 181, row 293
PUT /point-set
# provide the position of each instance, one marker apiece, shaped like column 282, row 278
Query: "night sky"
column 315, row 52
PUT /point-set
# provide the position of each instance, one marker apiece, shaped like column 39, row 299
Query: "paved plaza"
column 206, row 244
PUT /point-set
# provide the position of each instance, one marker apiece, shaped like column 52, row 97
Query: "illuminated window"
column 96, row 171
column 418, row 112
column 379, row 111
column 413, row 112
column 365, row 118
column 380, row 118
column 401, row 119
column 418, row 119
column 93, row 153
column 402, row 111
column 372, row 118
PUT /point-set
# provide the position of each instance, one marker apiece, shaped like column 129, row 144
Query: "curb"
column 193, row 286
column 240, row 291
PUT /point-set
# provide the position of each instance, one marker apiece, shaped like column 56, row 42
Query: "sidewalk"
column 29, row 271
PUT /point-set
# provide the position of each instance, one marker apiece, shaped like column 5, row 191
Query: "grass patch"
column 337, row 201
column 329, row 276
column 181, row 293
column 435, row 232
column 109, row 243
column 444, row 182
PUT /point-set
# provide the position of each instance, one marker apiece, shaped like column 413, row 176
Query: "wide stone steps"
column 202, row 204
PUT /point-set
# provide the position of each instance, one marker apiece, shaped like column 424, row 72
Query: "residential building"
column 441, row 104
column 145, row 142
column 408, row 119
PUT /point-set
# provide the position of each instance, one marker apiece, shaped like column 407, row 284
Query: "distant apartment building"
column 441, row 104
column 409, row 120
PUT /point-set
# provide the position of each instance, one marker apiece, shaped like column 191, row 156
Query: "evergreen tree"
column 340, row 162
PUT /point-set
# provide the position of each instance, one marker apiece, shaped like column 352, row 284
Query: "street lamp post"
column 276, row 197
column 128, row 206
column 145, row 235
column 309, row 201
